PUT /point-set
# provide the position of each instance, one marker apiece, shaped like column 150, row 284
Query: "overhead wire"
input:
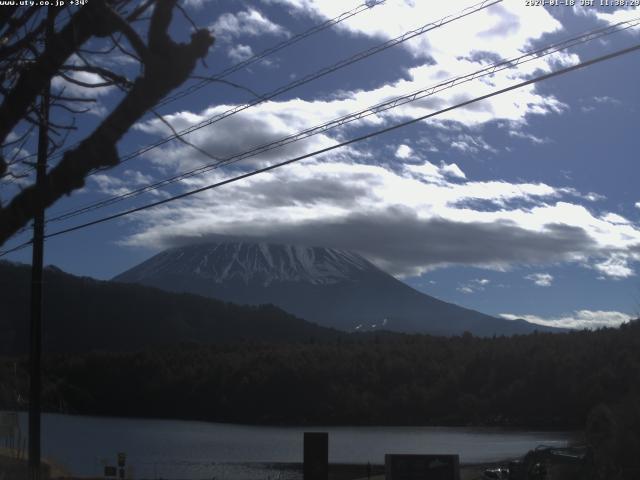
column 531, row 55
column 251, row 60
column 539, row 78
column 233, row 68
column 271, row 50
column 315, row 75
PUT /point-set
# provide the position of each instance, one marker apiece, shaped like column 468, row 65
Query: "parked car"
column 499, row 473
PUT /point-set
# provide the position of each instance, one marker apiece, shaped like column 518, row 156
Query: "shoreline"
column 339, row 471
column 246, row 465
column 510, row 427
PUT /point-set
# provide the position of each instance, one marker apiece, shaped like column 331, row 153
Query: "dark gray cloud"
column 403, row 244
column 237, row 134
column 303, row 192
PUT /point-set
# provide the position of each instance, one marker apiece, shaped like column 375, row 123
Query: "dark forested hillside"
column 83, row 314
column 537, row 380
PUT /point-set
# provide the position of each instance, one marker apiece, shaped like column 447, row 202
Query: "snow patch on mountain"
column 255, row 262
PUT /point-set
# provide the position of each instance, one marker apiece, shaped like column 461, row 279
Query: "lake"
column 176, row 449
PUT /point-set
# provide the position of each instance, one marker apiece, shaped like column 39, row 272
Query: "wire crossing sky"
column 340, row 145
column 394, row 103
column 252, row 59
column 316, row 75
column 522, row 205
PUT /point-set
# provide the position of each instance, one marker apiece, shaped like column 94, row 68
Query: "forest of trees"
column 537, row 380
column 83, row 314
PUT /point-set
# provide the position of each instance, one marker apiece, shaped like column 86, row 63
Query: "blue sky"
column 524, row 205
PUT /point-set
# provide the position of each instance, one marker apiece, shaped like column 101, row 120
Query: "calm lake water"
column 175, row 449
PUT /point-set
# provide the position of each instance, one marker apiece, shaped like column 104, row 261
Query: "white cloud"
column 456, row 49
column 242, row 132
column 195, row 3
column 112, row 185
column 429, row 172
column 473, row 286
column 469, row 144
column 248, row 22
column 529, row 136
column 607, row 99
column 423, row 214
column 240, row 52
column 594, row 197
column 579, row 319
column 615, row 218
column 406, row 223
column 404, row 152
column 515, row 223
column 546, row 222
column 506, row 27
column 541, row 279
column 512, row 107
column 592, row 104
column 453, row 170
column 11, row 137
column 73, row 90
column 616, row 16
column 616, row 265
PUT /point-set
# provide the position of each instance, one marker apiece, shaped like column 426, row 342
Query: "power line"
column 249, row 61
column 16, row 248
column 376, row 109
column 537, row 79
column 271, row 50
column 314, row 76
column 318, row 74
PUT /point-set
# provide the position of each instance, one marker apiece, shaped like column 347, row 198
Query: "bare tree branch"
column 70, row 109
column 93, row 17
column 113, row 77
column 18, row 139
column 167, row 65
column 124, row 51
column 14, row 24
column 135, row 15
column 231, row 84
column 80, row 83
column 186, row 15
column 184, row 140
column 62, row 98
column 31, row 36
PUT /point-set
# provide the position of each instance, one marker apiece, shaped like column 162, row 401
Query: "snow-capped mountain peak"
column 330, row 287
column 263, row 263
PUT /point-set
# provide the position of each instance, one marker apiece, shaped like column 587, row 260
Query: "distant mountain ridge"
column 82, row 314
column 326, row 286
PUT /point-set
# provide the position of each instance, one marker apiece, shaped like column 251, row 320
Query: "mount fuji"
column 330, row 287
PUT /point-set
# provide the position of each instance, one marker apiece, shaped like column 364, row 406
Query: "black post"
column 315, row 456
column 35, row 371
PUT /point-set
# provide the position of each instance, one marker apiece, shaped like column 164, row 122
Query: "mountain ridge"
column 327, row 286
column 84, row 314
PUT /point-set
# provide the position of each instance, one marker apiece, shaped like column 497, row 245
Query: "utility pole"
column 35, row 351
